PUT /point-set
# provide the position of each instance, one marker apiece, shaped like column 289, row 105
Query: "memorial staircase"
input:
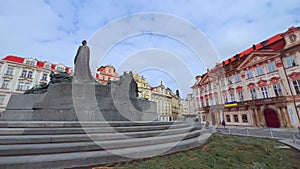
column 73, row 144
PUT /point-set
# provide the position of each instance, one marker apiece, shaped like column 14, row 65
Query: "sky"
column 170, row 41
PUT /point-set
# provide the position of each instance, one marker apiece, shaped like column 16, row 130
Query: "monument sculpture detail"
column 82, row 71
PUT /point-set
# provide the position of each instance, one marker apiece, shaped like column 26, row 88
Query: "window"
column 229, row 79
column 214, row 85
column 27, row 86
column 290, row 61
column 271, row 67
column 207, row 102
column 277, row 89
column 27, row 62
column 296, row 84
column 232, row 97
column 225, row 98
column 259, row 70
column 29, row 75
column 44, row 77
column 293, row 37
column 47, row 66
column 236, row 118
column 241, row 96
column 60, row 68
column 9, row 71
column 217, row 100
column 2, row 97
column 203, row 118
column 244, row 118
column 264, row 92
column 228, row 118
column 249, row 74
column 209, row 86
column 222, row 82
column 237, row 78
column 253, row 94
column 5, row 84
column 24, row 72
column 20, row 86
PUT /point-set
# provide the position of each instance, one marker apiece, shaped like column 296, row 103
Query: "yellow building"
column 143, row 87
column 168, row 104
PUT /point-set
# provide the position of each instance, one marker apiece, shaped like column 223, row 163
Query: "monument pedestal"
column 82, row 102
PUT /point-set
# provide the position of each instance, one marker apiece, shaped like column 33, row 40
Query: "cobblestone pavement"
column 287, row 136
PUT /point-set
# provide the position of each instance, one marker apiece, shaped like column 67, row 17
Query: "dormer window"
column 47, row 66
column 290, row 61
column 30, row 62
column 293, row 38
column 61, row 69
column 229, row 79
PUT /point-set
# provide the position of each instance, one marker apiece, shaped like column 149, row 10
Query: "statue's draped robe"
column 82, row 69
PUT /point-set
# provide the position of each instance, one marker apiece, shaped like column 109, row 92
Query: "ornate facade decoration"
column 263, row 82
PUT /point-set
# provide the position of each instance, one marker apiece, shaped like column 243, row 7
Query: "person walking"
column 223, row 123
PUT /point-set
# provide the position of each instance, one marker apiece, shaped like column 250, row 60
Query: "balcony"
column 8, row 76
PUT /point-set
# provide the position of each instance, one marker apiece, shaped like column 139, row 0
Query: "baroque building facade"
column 257, row 87
column 106, row 73
column 168, row 104
column 143, row 87
column 18, row 74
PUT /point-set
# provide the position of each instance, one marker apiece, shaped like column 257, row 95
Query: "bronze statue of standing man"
column 82, row 72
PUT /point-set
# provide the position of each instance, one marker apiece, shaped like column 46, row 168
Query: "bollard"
column 229, row 131
column 247, row 130
column 294, row 138
column 271, row 133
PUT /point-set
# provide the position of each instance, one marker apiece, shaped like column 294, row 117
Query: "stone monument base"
column 81, row 102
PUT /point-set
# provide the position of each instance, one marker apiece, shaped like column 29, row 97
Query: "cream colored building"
column 19, row 74
column 162, row 96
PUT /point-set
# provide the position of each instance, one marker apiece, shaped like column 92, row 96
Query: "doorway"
column 271, row 118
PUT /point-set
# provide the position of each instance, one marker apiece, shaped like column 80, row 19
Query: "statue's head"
column 84, row 42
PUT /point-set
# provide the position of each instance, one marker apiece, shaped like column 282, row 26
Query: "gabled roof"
column 258, row 46
column 257, row 57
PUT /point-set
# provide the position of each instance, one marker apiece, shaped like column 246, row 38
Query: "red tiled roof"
column 269, row 41
column 41, row 64
column 67, row 69
column 14, row 59
column 53, row 66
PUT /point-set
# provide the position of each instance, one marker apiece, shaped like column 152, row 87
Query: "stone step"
column 69, row 124
column 30, row 139
column 49, row 148
column 92, row 158
column 41, row 131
